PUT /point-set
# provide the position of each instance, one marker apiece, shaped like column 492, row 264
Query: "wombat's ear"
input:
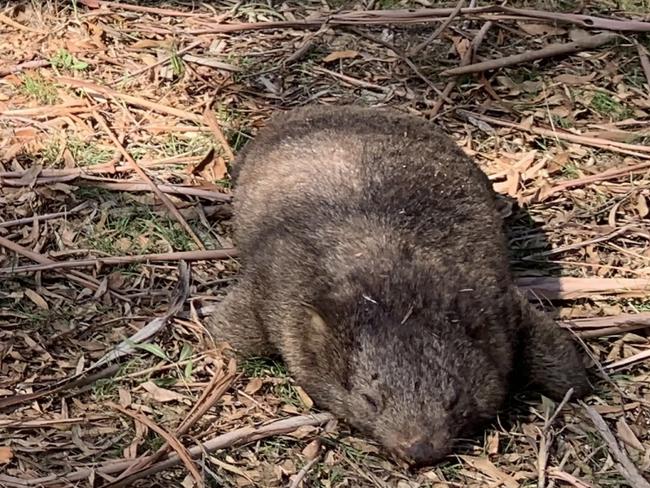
column 316, row 321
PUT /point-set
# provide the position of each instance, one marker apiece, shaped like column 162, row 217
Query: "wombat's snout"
column 421, row 452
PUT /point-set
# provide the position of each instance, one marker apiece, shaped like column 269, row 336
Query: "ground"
column 101, row 102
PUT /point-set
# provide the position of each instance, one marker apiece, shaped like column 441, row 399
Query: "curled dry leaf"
column 161, row 394
column 336, row 55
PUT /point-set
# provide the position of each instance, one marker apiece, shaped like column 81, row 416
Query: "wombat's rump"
column 374, row 263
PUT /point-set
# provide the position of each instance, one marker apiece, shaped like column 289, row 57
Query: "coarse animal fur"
column 374, row 263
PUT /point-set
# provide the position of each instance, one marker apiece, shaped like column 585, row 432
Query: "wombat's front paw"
column 558, row 370
column 233, row 322
column 550, row 355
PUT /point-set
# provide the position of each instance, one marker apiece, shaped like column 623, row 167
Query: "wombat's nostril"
column 421, row 453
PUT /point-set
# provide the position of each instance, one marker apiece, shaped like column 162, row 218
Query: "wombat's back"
column 321, row 173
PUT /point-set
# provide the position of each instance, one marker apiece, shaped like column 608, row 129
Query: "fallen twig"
column 578, row 245
column 43, row 218
column 212, row 122
column 612, row 321
column 39, row 63
column 152, row 186
column 167, row 12
column 567, row 287
column 645, row 62
column 591, row 42
column 202, row 255
column 76, row 276
column 422, row 15
column 94, row 88
column 191, row 191
column 585, row 21
column 236, row 437
column 439, row 30
column 173, row 442
column 297, row 479
column 466, row 59
column 635, row 358
column 627, row 469
column 215, row 390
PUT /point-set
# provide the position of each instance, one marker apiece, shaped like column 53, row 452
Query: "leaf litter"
column 118, row 125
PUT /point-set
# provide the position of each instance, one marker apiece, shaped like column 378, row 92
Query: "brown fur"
column 375, row 264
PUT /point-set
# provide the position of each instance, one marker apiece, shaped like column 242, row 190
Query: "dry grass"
column 151, row 80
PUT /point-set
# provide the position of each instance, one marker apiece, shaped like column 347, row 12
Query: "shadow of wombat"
column 375, row 264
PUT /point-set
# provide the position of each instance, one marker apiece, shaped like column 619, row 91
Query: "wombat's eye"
column 373, row 402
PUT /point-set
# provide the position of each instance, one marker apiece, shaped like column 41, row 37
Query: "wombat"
column 375, row 263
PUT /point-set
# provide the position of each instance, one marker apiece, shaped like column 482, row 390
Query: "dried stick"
column 129, row 99
column 236, row 437
column 214, row 126
column 416, row 16
column 136, row 8
column 43, row 218
column 567, row 287
column 76, row 276
column 172, row 441
column 585, row 21
column 295, row 482
column 215, row 390
column 39, row 63
column 642, row 319
column 207, row 255
column 439, row 30
column 110, row 184
column 553, row 50
column 627, row 469
column 645, row 62
column 168, row 203
column 610, row 331
column 214, row 196
column 158, row 63
column 640, row 356
column 403, row 57
column 465, row 60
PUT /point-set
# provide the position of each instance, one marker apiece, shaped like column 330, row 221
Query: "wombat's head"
column 410, row 389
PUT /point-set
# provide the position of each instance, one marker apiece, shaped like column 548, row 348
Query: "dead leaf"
column 312, row 450
column 125, row 397
column 161, row 394
column 626, row 435
column 541, row 29
column 253, row 386
column 336, row 55
column 486, row 467
column 642, row 205
column 29, row 178
column 6, row 454
column 567, row 79
column 493, row 443
column 38, row 300
column 304, row 398
column 461, row 45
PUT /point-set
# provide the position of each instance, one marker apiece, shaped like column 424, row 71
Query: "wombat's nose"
column 422, row 453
